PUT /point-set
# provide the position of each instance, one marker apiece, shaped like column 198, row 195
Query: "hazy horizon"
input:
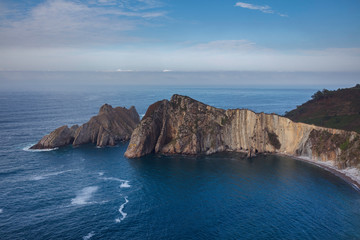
column 87, row 80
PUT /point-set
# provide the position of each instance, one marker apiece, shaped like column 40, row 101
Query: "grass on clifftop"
column 333, row 109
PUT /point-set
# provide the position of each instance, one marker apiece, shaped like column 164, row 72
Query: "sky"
column 180, row 35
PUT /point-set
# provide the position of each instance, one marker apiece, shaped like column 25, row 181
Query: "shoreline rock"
column 110, row 126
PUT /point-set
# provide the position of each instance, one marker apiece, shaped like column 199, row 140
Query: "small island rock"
column 110, row 126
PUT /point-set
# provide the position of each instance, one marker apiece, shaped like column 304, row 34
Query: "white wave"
column 46, row 175
column 27, row 149
column 1, row 210
column 112, row 179
column 101, row 173
column 84, row 195
column 142, row 115
column 90, row 235
column 125, row 184
column 123, row 214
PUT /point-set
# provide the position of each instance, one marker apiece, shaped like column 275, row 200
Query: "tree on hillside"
column 321, row 94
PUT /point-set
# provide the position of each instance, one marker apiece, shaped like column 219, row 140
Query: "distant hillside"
column 334, row 109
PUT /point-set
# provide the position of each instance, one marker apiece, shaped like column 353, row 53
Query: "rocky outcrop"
column 186, row 126
column 59, row 137
column 110, row 126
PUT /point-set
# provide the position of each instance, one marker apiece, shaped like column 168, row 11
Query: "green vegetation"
column 344, row 145
column 338, row 109
column 339, row 122
column 322, row 94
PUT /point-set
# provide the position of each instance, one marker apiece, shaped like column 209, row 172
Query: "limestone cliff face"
column 110, row 126
column 186, row 126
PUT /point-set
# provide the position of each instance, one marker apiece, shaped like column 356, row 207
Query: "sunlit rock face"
column 110, row 126
column 186, row 126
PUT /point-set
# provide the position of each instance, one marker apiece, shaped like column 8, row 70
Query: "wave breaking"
column 27, row 149
column 123, row 214
column 84, row 195
column 46, row 175
column 124, row 183
column 90, row 235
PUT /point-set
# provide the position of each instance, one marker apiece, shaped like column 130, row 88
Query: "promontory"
column 186, row 126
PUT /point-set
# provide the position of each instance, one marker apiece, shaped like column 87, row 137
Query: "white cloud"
column 228, row 46
column 139, row 5
column 60, row 23
column 264, row 9
column 185, row 59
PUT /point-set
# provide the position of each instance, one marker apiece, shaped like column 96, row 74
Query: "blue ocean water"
column 96, row 193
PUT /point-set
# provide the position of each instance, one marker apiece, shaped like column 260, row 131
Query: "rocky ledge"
column 110, row 126
column 186, row 126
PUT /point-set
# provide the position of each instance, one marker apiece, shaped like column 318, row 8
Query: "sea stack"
column 186, row 126
column 110, row 126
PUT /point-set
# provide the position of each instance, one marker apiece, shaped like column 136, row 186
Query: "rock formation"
column 186, row 126
column 110, row 126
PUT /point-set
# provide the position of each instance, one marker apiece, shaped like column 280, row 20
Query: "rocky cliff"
column 110, row 126
column 186, row 126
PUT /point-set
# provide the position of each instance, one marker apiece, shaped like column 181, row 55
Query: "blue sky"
column 180, row 35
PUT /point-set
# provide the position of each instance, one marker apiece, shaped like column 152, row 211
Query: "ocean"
column 96, row 193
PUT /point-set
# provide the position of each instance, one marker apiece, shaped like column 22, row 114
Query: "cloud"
column 222, row 55
column 241, row 45
column 63, row 23
column 264, row 9
column 139, row 5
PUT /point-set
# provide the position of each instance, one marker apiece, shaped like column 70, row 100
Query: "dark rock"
column 109, row 127
column 59, row 137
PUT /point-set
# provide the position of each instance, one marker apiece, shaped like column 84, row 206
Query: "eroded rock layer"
column 110, row 126
column 186, row 126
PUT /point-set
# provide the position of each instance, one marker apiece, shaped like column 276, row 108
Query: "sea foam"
column 123, row 214
column 46, row 175
column 27, row 149
column 124, row 183
column 90, row 235
column 84, row 195
column 1, row 210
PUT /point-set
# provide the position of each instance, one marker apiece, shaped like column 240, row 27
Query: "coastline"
column 349, row 175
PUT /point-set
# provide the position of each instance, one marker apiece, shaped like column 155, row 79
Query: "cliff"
column 186, row 126
column 334, row 109
column 110, row 126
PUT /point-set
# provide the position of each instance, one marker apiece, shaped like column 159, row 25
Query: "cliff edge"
column 186, row 126
column 110, row 126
